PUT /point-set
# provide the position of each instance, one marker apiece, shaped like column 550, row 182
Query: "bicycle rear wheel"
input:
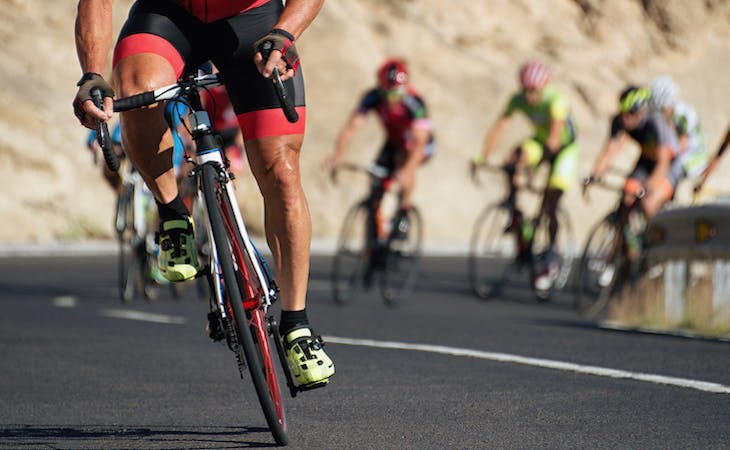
column 492, row 251
column 597, row 270
column 239, row 285
column 351, row 261
column 403, row 254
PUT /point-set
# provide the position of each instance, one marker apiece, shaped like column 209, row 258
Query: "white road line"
column 538, row 362
column 142, row 316
column 65, row 301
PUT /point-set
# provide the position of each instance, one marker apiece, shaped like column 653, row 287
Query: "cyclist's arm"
column 297, row 15
column 663, row 162
column 93, row 31
column 555, row 137
column 608, row 154
column 494, row 136
column 353, row 125
column 295, row 18
column 559, row 113
column 715, row 161
column 420, row 137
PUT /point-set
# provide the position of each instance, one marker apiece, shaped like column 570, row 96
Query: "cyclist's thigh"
column 252, row 96
column 532, row 152
column 387, row 156
column 155, row 42
column 564, row 168
column 636, row 180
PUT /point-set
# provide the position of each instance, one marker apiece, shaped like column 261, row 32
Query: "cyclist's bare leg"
column 517, row 159
column 407, row 187
column 549, row 208
column 657, row 194
column 274, row 162
column 147, row 140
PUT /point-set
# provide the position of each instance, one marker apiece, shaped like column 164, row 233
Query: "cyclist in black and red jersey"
column 409, row 138
column 165, row 39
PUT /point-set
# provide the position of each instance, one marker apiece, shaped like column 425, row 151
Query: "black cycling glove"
column 88, row 82
column 280, row 40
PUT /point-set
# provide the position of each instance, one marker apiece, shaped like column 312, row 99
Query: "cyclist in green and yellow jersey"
column 553, row 142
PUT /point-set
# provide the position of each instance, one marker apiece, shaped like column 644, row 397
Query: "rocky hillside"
column 463, row 57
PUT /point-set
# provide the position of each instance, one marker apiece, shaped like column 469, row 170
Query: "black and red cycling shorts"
column 165, row 28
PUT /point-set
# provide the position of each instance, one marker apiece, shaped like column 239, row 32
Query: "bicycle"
column 241, row 285
column 135, row 235
column 504, row 242
column 612, row 255
column 380, row 239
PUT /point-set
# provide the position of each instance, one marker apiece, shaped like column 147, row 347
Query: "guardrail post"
column 721, row 291
column 675, row 282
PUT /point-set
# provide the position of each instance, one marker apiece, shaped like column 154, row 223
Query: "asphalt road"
column 445, row 370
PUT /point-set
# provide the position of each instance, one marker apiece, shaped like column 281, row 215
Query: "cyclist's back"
column 398, row 117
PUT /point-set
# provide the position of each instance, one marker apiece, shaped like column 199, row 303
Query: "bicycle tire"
column 492, row 250
column 402, row 258
column 599, row 259
column 216, row 201
column 541, row 241
column 127, row 274
column 351, row 261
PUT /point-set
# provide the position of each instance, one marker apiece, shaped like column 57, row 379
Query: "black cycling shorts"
column 164, row 28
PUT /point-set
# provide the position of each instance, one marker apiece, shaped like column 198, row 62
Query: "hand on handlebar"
column 331, row 164
column 276, row 49
column 474, row 165
column 587, row 181
column 84, row 108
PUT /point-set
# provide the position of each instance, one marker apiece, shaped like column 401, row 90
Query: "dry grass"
column 643, row 305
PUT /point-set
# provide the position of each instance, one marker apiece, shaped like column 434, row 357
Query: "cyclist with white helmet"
column 554, row 142
column 693, row 157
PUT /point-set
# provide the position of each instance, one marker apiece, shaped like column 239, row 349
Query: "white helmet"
column 664, row 92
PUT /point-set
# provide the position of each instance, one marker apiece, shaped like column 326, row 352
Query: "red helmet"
column 393, row 73
column 534, row 75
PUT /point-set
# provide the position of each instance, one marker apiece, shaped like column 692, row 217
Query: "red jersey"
column 397, row 118
column 212, row 10
column 219, row 108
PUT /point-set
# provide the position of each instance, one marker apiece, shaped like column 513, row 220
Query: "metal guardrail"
column 690, row 244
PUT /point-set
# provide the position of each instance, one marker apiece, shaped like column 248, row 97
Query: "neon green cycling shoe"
column 178, row 258
column 309, row 364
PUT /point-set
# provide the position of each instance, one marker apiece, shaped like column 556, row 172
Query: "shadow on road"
column 102, row 436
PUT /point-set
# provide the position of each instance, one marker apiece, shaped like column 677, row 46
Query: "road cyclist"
column 553, row 142
column 160, row 39
column 409, row 143
column 692, row 158
column 613, row 253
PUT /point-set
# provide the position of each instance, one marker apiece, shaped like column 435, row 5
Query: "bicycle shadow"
column 132, row 436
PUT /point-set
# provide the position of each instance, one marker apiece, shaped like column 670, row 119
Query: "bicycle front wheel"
column 492, row 251
column 250, row 327
column 598, row 271
column 402, row 257
column 351, row 269
column 128, row 271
